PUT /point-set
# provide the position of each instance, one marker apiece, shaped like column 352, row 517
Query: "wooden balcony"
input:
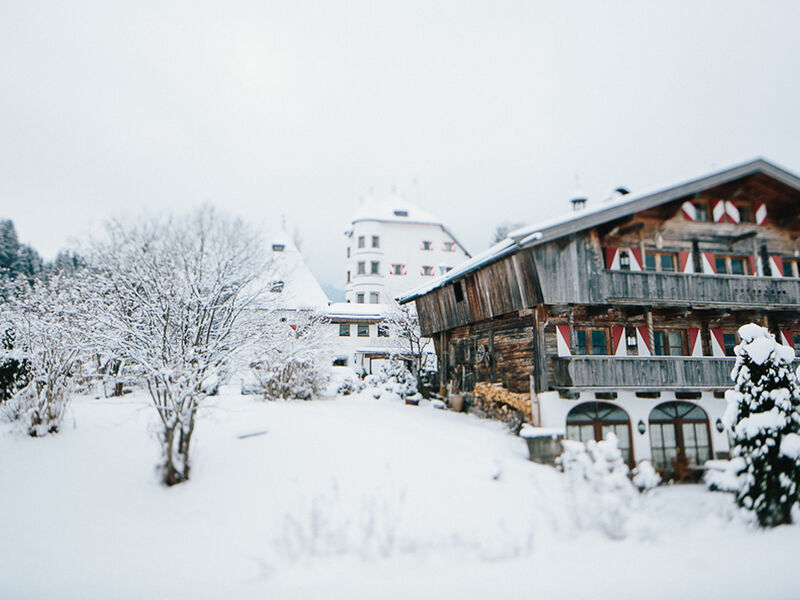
column 639, row 287
column 641, row 372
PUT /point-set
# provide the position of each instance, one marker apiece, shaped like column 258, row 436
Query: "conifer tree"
column 764, row 420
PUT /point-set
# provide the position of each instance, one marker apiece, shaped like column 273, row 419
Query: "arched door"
column 593, row 420
column 679, row 435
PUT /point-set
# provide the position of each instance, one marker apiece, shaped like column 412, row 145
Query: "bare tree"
column 503, row 229
column 404, row 330
column 170, row 299
column 48, row 321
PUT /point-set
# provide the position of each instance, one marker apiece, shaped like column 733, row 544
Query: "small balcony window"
column 790, row 267
column 729, row 341
column 733, row 265
column 664, row 262
column 701, row 210
column 796, row 340
column 668, row 343
column 591, row 341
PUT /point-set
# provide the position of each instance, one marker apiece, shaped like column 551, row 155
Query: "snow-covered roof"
column 300, row 290
column 592, row 216
column 394, row 208
column 397, row 209
column 350, row 311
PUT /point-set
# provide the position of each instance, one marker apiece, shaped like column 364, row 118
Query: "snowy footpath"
column 348, row 498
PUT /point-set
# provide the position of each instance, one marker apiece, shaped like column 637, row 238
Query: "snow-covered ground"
column 347, row 498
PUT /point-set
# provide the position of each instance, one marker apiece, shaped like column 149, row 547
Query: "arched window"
column 679, row 433
column 593, row 420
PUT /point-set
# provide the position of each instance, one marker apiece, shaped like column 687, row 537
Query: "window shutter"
column 787, row 337
column 643, row 341
column 685, row 262
column 732, row 212
column 636, row 259
column 612, row 258
column 761, row 213
column 618, row 345
column 718, row 210
column 562, row 340
column 689, row 211
column 776, row 265
column 717, row 343
column 695, row 342
column 708, row 263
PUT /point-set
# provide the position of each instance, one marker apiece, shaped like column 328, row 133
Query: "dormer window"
column 401, row 213
column 449, row 246
column 278, row 247
column 427, row 271
column 427, row 245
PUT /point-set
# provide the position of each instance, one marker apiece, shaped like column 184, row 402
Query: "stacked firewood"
column 497, row 402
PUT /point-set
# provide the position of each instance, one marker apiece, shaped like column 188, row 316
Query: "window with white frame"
column 376, row 241
column 360, row 298
column 362, row 267
column 375, row 267
column 361, row 241
column 374, row 298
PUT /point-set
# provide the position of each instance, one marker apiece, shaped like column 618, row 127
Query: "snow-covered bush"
column 763, row 417
column 350, row 385
column 723, row 475
column 48, row 319
column 13, row 364
column 395, row 377
column 294, row 363
column 169, row 298
column 600, row 491
column 645, row 477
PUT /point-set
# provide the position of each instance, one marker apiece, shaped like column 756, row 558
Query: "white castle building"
column 394, row 246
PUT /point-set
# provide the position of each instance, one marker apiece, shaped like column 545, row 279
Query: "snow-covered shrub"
column 723, row 475
column 48, row 319
column 294, row 363
column 763, row 417
column 395, row 377
column 171, row 297
column 13, row 364
column 349, row 385
column 645, row 476
column 600, row 491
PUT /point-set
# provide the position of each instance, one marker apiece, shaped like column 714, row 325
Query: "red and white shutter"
column 751, row 259
column 685, row 262
column 776, row 265
column 562, row 340
column 761, row 213
column 717, row 343
column 732, row 212
column 637, row 263
column 612, row 258
column 618, row 345
column 689, row 211
column 643, row 341
column 707, row 258
column 787, row 337
column 718, row 210
column 695, row 342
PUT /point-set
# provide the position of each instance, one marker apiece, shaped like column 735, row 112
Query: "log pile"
column 499, row 403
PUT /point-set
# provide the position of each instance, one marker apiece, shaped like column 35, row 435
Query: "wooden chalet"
column 623, row 317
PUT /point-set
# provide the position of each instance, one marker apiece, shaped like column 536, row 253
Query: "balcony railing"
column 701, row 290
column 642, row 372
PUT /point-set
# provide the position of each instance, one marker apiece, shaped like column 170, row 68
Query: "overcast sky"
column 481, row 111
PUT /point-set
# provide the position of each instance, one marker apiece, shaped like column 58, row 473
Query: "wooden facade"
column 644, row 294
